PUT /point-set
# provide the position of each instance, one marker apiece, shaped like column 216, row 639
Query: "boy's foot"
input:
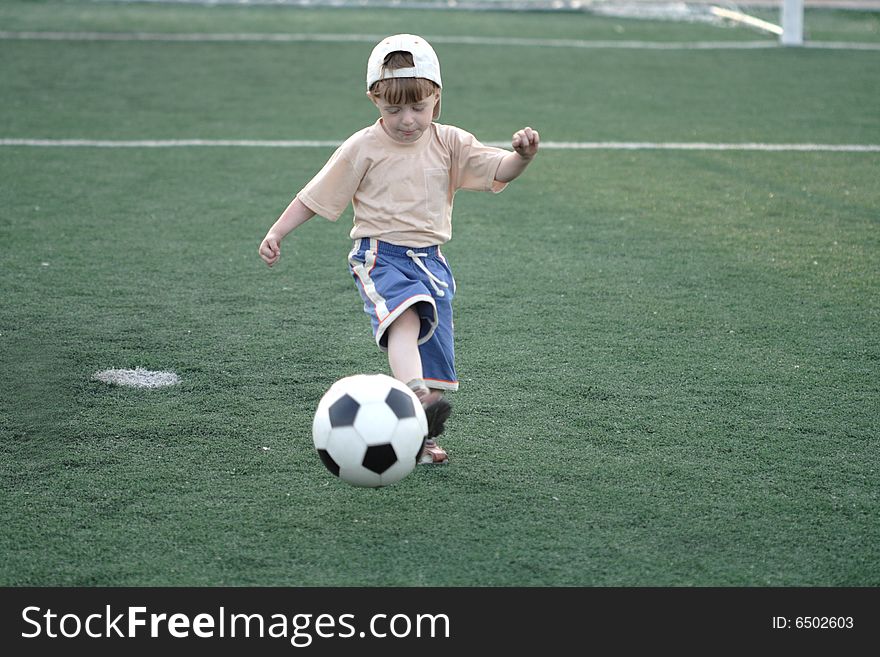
column 432, row 454
column 437, row 411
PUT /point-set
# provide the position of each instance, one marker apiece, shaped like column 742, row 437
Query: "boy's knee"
column 407, row 322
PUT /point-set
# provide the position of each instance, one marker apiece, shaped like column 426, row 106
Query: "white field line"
column 548, row 145
column 453, row 40
column 708, row 146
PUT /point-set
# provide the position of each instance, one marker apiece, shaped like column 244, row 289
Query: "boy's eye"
column 392, row 110
column 418, row 108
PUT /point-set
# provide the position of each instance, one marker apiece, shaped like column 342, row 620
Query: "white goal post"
column 792, row 23
column 790, row 30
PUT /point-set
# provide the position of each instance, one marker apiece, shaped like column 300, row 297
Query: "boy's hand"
column 270, row 249
column 525, row 143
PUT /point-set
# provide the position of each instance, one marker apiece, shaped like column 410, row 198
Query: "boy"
column 401, row 174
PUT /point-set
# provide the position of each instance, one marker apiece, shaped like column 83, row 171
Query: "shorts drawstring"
column 436, row 283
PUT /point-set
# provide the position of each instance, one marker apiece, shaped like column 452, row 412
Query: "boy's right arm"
column 296, row 214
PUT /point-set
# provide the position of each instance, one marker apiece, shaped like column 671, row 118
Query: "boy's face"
column 406, row 122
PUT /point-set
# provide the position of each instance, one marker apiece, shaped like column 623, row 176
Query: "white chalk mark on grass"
column 137, row 378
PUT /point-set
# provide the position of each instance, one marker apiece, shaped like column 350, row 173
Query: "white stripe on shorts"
column 363, row 273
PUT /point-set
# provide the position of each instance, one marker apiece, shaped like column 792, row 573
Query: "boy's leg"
column 403, row 347
column 406, row 366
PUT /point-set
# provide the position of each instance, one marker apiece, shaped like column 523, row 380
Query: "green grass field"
column 670, row 359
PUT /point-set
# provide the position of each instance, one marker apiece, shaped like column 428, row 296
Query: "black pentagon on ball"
column 379, row 458
column 343, row 411
column 328, row 461
column 401, row 403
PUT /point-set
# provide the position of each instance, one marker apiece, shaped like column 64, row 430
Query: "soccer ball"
column 369, row 430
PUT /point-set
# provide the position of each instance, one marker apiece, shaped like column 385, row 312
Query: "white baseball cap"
column 425, row 62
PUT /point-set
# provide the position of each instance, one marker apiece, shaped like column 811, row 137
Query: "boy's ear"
column 373, row 99
column 436, row 113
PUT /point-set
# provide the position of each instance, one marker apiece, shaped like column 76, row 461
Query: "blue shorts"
column 393, row 278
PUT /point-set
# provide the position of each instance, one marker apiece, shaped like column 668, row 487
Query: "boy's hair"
column 398, row 91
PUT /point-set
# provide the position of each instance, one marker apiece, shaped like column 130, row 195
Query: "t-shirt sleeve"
column 474, row 164
column 332, row 188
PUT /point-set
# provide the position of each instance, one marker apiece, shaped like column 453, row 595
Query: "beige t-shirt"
column 402, row 193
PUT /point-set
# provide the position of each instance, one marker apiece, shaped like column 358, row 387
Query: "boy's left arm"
column 525, row 146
